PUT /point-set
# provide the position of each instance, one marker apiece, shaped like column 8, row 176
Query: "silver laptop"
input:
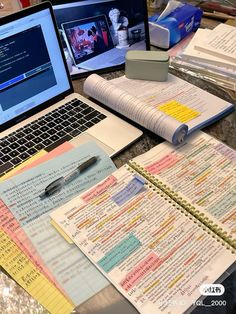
column 38, row 107
column 90, row 43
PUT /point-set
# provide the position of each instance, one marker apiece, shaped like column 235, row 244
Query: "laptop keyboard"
column 47, row 132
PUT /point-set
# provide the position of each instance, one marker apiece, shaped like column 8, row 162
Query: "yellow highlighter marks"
column 178, row 111
column 23, row 271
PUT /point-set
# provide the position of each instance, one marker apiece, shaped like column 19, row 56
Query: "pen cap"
column 147, row 65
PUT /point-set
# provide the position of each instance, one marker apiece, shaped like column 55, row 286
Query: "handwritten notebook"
column 172, row 109
column 162, row 225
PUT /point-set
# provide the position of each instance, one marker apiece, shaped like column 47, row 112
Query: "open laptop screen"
column 118, row 25
column 31, row 69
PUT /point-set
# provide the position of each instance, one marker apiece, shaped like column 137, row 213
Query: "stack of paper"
column 212, row 54
column 32, row 251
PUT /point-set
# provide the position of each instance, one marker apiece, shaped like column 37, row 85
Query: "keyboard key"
column 34, row 126
column 65, row 123
column 6, row 150
column 14, row 145
column 16, row 161
column 47, row 142
column 61, row 133
column 5, row 167
column 72, row 119
column 74, row 133
column 91, row 115
column 87, row 111
column 29, row 144
column 12, row 139
column 32, row 151
column 59, row 142
column 37, row 140
column 21, row 141
column 52, row 124
column 39, row 146
column 89, row 124
column 44, row 128
column 54, row 138
column 23, row 156
column 68, row 129
column 5, row 158
column 4, row 143
column 82, row 128
column 27, row 130
column 44, row 136
column 29, row 137
column 101, row 116
column 21, row 149
column 37, row 132
column 14, row 153
column 59, row 127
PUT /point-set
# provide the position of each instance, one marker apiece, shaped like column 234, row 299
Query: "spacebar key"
column 58, row 143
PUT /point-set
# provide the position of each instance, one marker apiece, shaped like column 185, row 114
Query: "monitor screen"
column 96, row 34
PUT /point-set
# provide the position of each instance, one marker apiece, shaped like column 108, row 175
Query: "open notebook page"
column 202, row 172
column 154, row 253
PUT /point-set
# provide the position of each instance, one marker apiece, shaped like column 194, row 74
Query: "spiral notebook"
column 161, row 227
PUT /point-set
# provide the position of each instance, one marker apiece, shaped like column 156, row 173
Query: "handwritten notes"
column 144, row 243
column 30, row 278
column 74, row 273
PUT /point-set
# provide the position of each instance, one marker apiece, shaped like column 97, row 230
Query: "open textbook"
column 172, row 109
column 161, row 226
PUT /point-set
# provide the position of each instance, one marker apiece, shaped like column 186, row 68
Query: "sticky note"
column 23, row 271
column 119, row 253
column 133, row 187
column 178, row 111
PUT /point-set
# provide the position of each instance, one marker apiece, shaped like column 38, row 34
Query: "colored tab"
column 178, row 111
column 119, row 253
column 133, row 187
column 62, row 232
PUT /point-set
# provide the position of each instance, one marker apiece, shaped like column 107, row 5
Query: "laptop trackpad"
column 85, row 137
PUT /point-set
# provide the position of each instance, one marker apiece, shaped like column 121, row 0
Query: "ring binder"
column 186, row 206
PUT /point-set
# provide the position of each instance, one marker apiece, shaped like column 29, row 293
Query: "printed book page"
column 221, row 42
column 190, row 52
column 20, row 195
column 120, row 100
column 154, row 253
column 178, row 98
column 202, row 172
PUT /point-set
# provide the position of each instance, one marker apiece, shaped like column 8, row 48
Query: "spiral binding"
column 200, row 217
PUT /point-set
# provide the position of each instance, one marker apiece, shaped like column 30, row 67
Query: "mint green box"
column 147, row 65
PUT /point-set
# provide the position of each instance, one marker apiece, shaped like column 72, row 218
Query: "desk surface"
column 109, row 300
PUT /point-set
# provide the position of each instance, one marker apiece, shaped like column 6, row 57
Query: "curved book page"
column 135, row 109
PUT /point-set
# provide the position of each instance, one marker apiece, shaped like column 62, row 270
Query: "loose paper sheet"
column 20, row 268
column 77, row 277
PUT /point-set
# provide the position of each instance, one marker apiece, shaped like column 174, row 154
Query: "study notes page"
column 201, row 172
column 154, row 253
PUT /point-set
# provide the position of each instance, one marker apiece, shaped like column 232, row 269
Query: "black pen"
column 57, row 184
